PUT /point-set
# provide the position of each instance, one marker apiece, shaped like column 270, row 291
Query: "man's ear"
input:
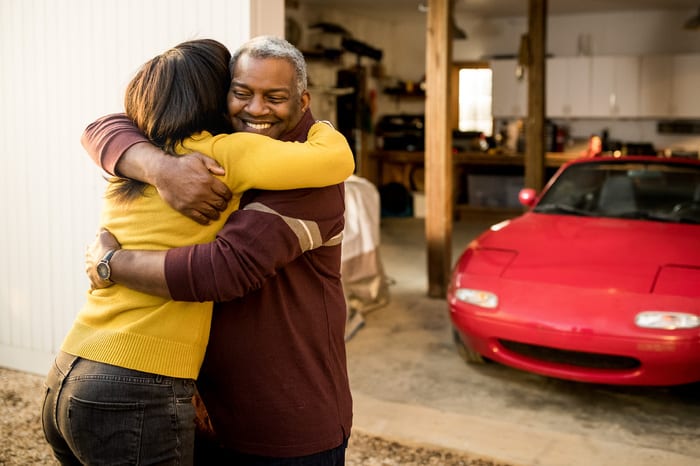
column 305, row 101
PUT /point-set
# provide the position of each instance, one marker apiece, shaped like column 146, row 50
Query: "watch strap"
column 108, row 256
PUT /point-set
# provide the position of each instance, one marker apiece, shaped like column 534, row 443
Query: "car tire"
column 465, row 352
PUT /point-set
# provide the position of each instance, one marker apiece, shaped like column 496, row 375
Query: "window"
column 472, row 99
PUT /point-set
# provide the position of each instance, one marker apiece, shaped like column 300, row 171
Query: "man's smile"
column 258, row 126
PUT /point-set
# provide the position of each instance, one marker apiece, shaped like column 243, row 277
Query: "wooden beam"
column 535, row 128
column 438, row 148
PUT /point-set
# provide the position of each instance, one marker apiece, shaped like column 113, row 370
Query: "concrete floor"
column 410, row 385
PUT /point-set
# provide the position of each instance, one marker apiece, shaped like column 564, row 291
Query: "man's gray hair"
column 274, row 47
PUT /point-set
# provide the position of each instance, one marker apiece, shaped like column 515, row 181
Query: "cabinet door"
column 655, row 86
column 509, row 93
column 686, row 85
column 579, row 79
column 568, row 87
column 614, row 86
column 556, row 88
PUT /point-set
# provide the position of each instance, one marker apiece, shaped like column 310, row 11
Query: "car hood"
column 594, row 252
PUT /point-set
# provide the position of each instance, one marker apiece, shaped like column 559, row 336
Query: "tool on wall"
column 456, row 32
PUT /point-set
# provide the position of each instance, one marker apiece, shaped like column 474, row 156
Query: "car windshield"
column 656, row 191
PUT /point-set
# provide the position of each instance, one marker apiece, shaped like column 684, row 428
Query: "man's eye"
column 277, row 100
column 240, row 94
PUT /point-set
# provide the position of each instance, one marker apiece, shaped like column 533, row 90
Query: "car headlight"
column 666, row 320
column 479, row 298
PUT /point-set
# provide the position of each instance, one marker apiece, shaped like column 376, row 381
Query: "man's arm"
column 108, row 138
column 185, row 183
column 273, row 230
column 251, row 251
column 139, row 270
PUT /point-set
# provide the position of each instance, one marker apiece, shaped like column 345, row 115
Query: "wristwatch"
column 104, row 271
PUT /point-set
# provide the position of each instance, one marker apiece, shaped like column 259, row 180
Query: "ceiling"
column 495, row 8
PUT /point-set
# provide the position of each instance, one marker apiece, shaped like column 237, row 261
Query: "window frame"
column 454, row 89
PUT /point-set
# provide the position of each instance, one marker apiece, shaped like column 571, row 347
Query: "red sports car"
column 598, row 282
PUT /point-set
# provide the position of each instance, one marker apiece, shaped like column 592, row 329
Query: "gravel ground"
column 23, row 441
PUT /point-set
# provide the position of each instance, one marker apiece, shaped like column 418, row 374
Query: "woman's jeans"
column 95, row 413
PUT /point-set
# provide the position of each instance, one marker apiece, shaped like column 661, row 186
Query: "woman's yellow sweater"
column 126, row 328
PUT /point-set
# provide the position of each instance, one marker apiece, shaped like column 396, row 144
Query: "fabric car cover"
column 364, row 281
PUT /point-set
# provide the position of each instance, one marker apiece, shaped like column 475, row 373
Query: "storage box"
column 494, row 190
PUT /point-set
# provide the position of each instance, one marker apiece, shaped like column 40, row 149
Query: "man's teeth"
column 259, row 126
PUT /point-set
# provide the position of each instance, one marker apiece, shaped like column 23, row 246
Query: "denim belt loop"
column 65, row 362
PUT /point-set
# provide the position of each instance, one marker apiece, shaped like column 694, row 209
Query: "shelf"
column 401, row 93
column 328, row 90
column 326, row 55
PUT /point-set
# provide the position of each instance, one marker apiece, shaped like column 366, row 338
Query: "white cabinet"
column 568, row 82
column 686, row 86
column 669, row 86
column 614, row 87
column 592, row 87
column 509, row 92
column 656, row 86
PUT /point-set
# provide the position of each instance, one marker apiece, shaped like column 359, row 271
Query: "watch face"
column 103, row 271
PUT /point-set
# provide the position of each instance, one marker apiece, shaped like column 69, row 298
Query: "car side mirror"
column 527, row 196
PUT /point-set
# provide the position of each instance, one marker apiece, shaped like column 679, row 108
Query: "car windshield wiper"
column 562, row 209
column 646, row 215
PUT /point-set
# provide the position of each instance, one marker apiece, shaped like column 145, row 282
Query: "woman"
column 120, row 391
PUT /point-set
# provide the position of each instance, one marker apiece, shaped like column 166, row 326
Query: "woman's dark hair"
column 176, row 94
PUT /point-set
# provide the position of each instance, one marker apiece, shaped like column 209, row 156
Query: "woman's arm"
column 255, row 161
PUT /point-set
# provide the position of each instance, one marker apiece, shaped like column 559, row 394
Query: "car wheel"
column 465, row 352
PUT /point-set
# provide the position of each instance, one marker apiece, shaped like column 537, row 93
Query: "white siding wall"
column 64, row 63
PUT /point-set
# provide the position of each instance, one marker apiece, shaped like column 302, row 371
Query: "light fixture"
column 693, row 23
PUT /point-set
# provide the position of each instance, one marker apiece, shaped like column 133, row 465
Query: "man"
column 274, row 378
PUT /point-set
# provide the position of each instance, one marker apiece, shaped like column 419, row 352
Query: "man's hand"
column 187, row 184
column 104, row 241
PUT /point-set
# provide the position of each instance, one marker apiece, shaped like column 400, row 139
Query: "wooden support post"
column 438, row 148
column 535, row 151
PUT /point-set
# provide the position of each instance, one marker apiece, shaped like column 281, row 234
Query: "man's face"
column 263, row 97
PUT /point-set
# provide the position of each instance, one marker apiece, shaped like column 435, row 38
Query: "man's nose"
column 257, row 105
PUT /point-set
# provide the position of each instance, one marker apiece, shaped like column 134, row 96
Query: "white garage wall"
column 64, row 63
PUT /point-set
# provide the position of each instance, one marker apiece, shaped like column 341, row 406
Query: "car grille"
column 572, row 358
